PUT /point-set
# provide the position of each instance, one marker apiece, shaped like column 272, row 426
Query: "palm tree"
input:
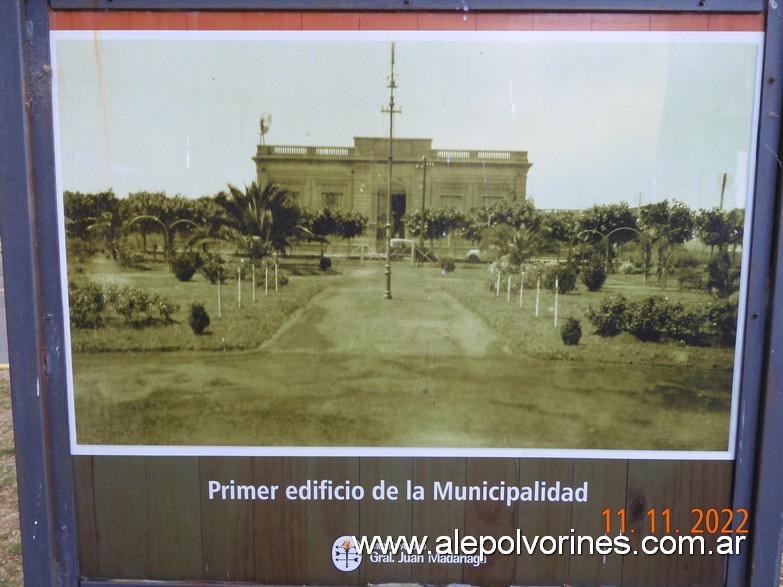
column 260, row 220
column 524, row 244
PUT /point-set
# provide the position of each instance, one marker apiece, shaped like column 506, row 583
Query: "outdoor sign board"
column 558, row 381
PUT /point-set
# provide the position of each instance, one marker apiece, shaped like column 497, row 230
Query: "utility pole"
column 391, row 111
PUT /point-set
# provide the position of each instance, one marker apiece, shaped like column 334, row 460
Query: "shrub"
column 566, row 279
column 165, row 307
column 628, row 268
column 648, row 318
column 184, row 266
column 129, row 256
column 686, row 324
column 610, row 317
column 325, row 263
column 721, row 319
column 722, row 278
column 93, row 306
column 214, row 268
column 86, row 304
column 531, row 274
column 691, row 279
column 686, row 260
column 447, row 265
column 199, row 319
column 571, row 331
column 594, row 274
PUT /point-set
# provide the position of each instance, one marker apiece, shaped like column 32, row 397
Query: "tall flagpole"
column 391, row 111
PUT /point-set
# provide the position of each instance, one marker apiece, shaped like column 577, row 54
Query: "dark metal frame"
column 28, row 226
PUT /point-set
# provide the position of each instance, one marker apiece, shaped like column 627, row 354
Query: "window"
column 332, row 200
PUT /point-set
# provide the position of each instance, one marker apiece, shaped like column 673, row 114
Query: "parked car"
column 474, row 256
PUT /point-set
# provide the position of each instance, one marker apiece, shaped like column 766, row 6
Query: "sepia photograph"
column 394, row 243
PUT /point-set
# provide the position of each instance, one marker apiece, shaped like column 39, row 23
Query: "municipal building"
column 356, row 178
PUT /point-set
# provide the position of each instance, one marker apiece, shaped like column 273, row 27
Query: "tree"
column 353, row 224
column 713, row 229
column 561, row 228
column 260, row 220
column 736, row 222
column 438, row 222
column 323, row 224
column 666, row 226
column 607, row 225
column 93, row 218
column 145, row 205
column 515, row 246
column 514, row 215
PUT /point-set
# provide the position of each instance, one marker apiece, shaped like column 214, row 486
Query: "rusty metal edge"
column 33, row 298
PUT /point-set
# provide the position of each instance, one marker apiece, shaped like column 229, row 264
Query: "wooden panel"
column 85, row 516
column 280, row 524
column 491, row 518
column 227, row 525
column 437, row 518
column 607, row 489
column 329, row 520
column 678, row 486
column 121, row 516
column 385, row 517
column 150, row 518
column 174, row 507
column 544, row 518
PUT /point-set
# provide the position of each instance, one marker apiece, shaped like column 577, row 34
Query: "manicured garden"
column 192, row 324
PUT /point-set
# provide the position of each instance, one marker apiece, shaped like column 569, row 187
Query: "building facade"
column 357, row 178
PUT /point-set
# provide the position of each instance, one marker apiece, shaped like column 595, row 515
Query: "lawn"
column 445, row 363
column 538, row 337
column 10, row 540
column 239, row 326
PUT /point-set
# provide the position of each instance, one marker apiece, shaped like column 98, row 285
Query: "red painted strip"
column 449, row 21
column 330, row 21
column 433, row 21
column 495, row 21
column 679, row 22
column 736, row 22
column 395, row 21
column 621, row 22
column 562, row 22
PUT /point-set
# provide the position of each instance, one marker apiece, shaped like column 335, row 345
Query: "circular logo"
column 345, row 556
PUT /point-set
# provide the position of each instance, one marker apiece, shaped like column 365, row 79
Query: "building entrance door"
column 398, row 211
column 398, row 208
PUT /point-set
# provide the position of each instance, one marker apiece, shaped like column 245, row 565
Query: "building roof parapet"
column 364, row 151
column 298, row 151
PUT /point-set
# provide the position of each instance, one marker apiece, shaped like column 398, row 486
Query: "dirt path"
column 420, row 320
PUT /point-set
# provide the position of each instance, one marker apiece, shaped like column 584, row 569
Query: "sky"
column 604, row 117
